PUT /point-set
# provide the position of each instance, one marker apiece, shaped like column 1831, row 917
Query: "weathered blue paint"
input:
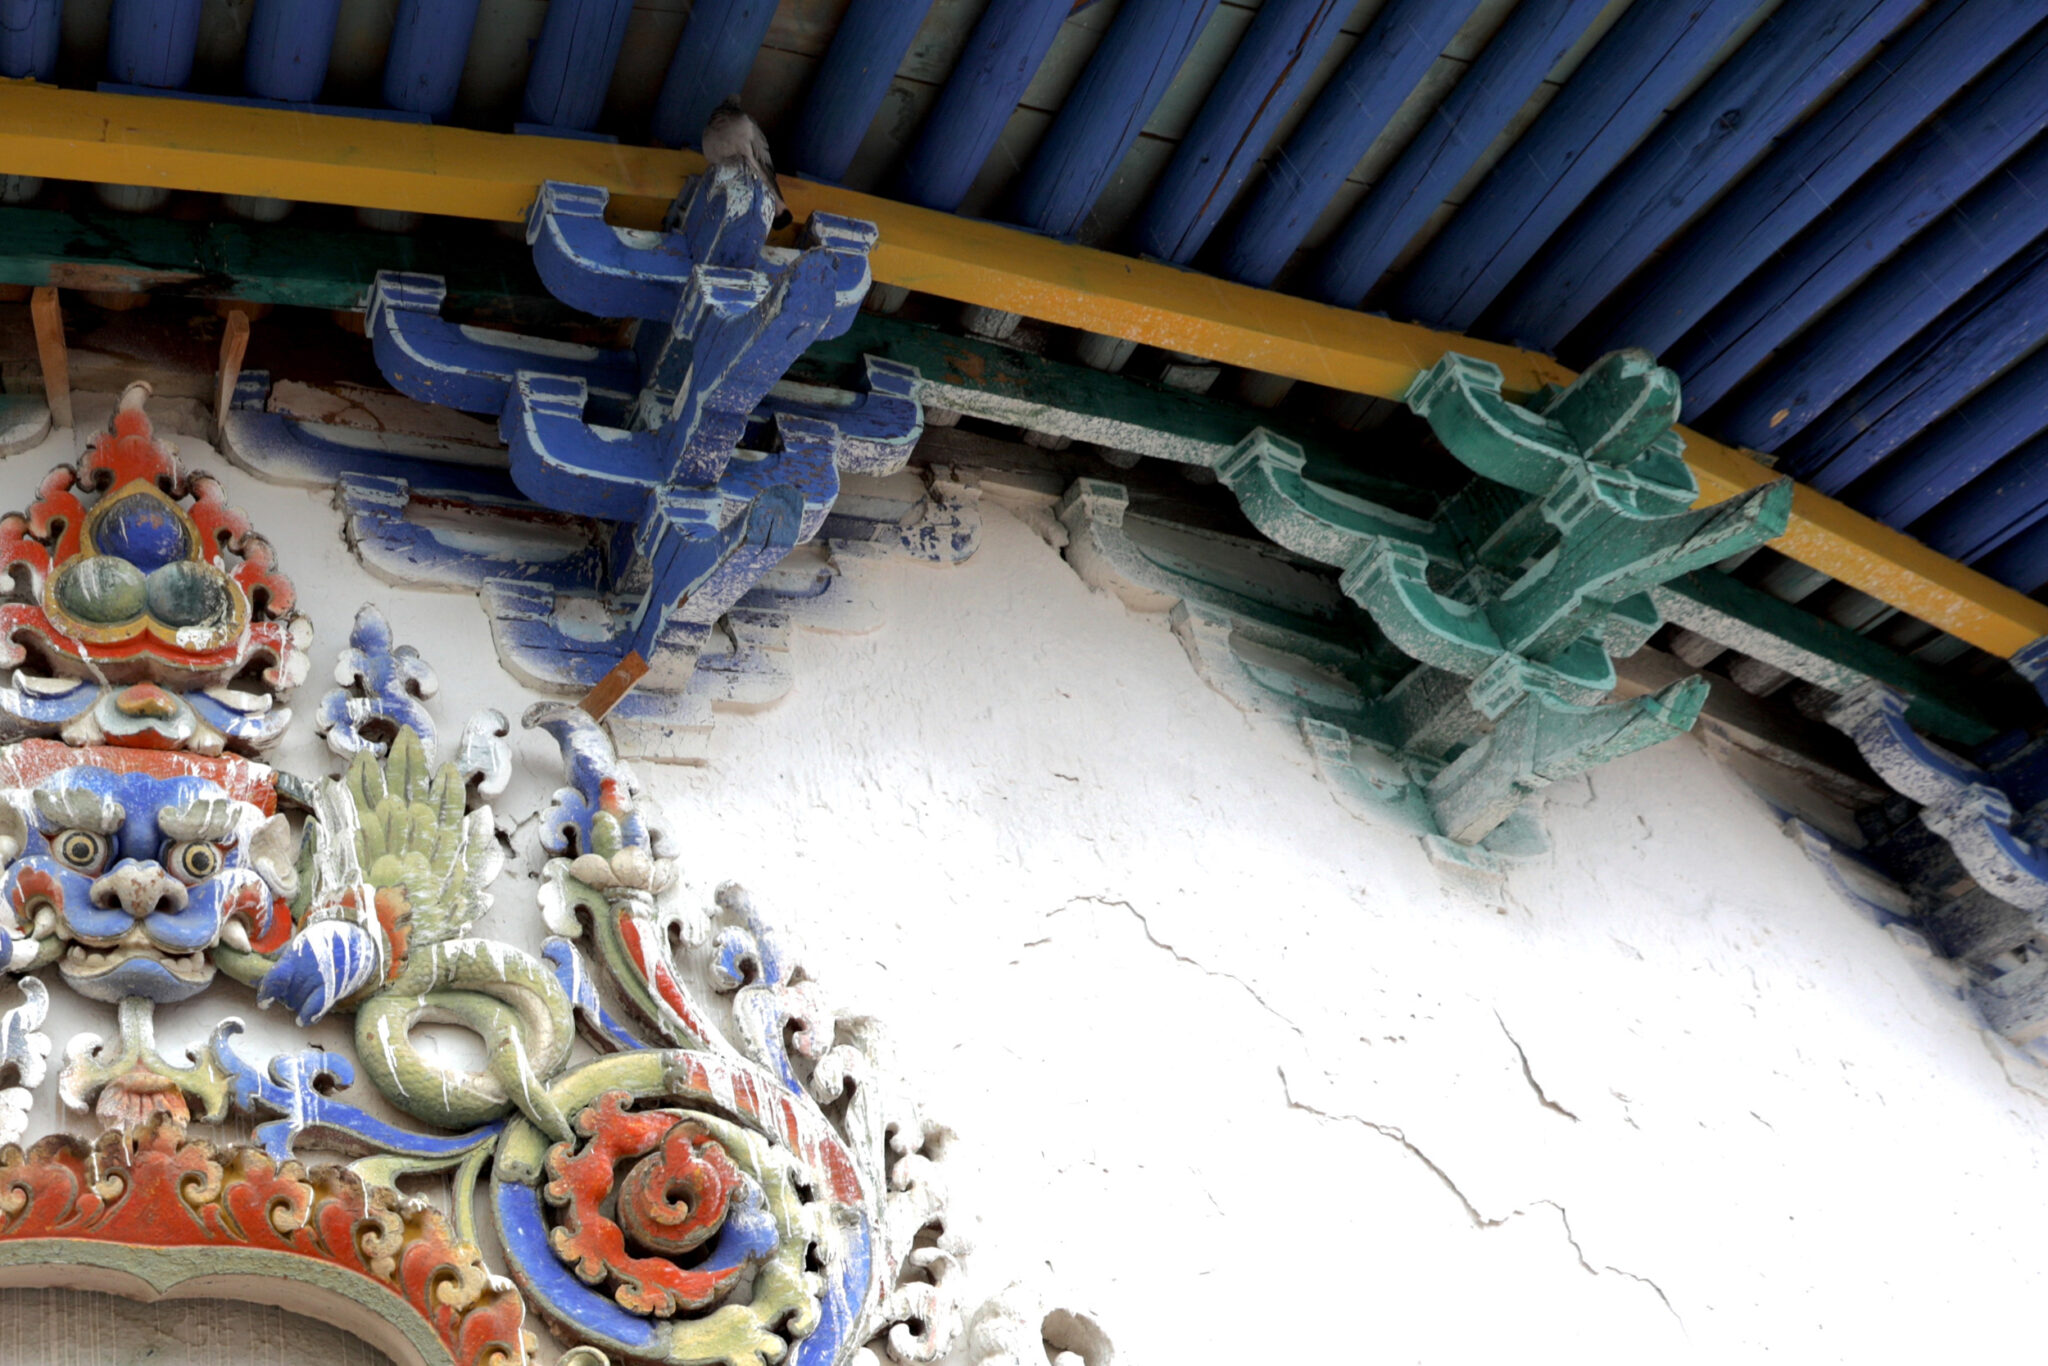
column 708, row 477
column 573, row 61
column 283, row 450
column 1630, row 78
column 285, row 54
column 1934, row 57
column 878, row 424
column 299, row 1086
column 697, row 568
column 1532, row 41
column 1010, row 39
column 1267, row 72
column 470, row 368
column 1102, row 115
column 1964, row 147
column 521, row 1225
column 429, row 48
column 2008, row 501
column 151, row 42
column 1992, row 224
column 1391, row 57
column 403, row 549
column 1961, row 446
column 29, row 34
column 1791, row 60
column 846, row 93
column 1959, row 801
column 621, row 273
column 1996, row 323
column 735, row 338
column 2022, row 562
column 711, row 62
column 560, row 461
column 597, row 1023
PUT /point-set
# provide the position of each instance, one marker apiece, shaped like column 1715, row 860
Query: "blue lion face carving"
column 128, row 880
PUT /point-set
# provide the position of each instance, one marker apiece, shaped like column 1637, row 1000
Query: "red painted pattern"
column 28, row 763
column 653, row 969
column 766, row 1103
column 269, row 638
column 151, row 1188
column 676, row 1157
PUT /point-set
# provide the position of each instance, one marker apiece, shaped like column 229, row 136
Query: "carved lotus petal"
column 592, row 869
column 633, row 868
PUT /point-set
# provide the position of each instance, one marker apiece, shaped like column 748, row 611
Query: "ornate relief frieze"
column 726, row 1172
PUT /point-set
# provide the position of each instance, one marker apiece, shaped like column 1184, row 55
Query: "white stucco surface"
column 1247, row 1077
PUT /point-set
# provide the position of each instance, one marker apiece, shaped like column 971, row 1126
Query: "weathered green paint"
column 1605, row 556
column 1266, row 473
column 1581, row 505
column 1540, row 741
column 987, row 380
column 490, row 278
column 1812, row 648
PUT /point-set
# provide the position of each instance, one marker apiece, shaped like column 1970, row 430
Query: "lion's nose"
column 140, row 889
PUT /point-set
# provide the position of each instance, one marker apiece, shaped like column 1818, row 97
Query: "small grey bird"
column 732, row 136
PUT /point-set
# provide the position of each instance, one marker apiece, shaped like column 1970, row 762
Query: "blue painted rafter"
column 867, row 47
column 2019, row 558
column 1963, row 445
column 429, row 48
column 1936, row 55
column 1981, row 130
column 1933, row 271
column 1695, row 154
column 1534, row 39
column 1103, row 114
column 1994, row 324
column 2003, row 504
column 152, row 42
column 29, row 38
column 1009, row 41
column 1404, row 40
column 579, row 46
column 1269, row 69
column 1625, row 84
column 712, row 59
column 287, row 49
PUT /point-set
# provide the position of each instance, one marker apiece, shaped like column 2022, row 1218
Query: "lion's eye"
column 193, row 860
column 81, row 849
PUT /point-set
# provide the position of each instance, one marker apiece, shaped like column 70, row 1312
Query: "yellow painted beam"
column 1868, row 555
column 235, row 149
column 232, row 149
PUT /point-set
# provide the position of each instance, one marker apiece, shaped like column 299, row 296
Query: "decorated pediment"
column 672, row 1164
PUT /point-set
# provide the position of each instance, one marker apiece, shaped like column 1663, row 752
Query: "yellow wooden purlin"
column 233, row 149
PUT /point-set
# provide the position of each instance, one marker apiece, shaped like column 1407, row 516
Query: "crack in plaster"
column 1471, row 1210
column 1146, row 926
column 1528, row 1075
column 1591, row 1270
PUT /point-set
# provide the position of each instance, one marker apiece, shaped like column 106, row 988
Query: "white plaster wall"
column 1248, row 1077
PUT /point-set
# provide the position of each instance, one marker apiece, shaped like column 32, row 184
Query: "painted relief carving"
column 1970, row 850
column 736, row 1183
column 1454, row 665
column 647, row 499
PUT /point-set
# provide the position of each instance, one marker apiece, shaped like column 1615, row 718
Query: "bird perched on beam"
column 732, row 136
